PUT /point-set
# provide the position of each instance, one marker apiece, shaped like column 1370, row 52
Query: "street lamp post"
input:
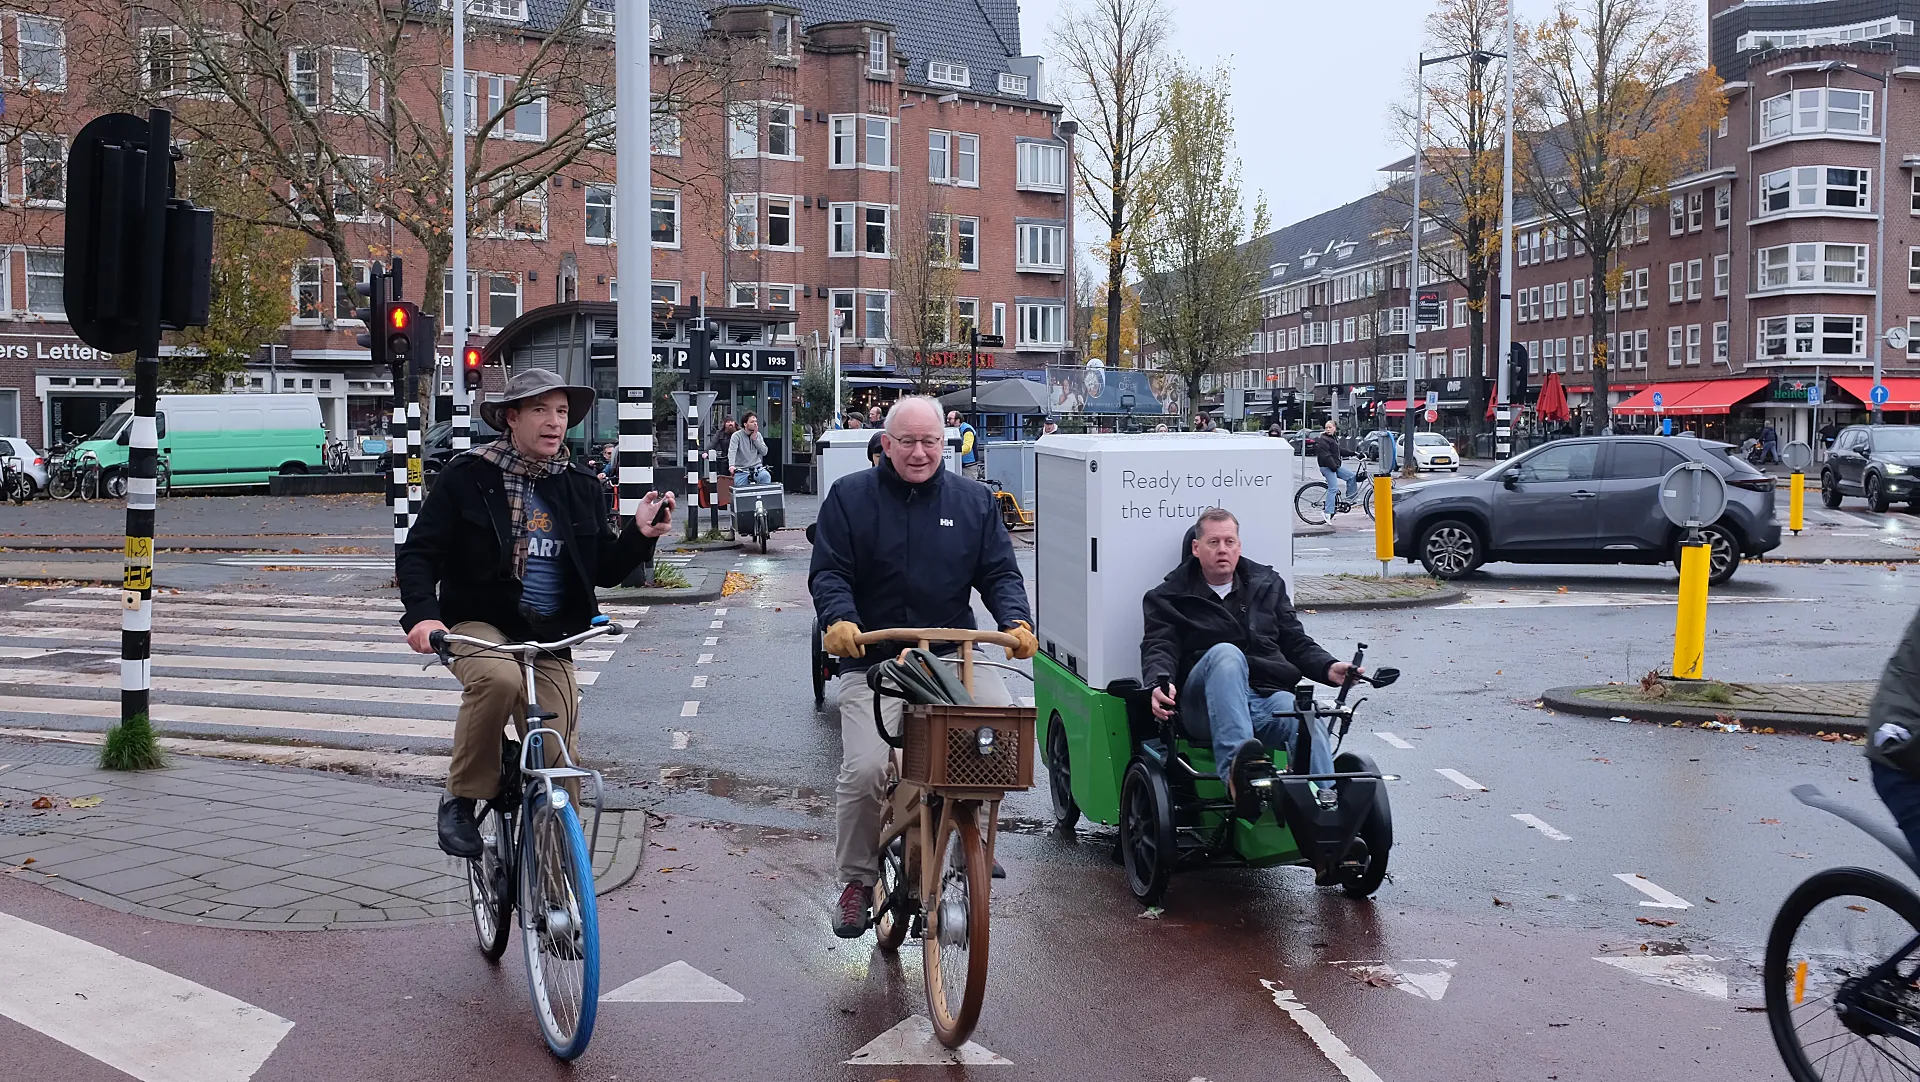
column 1503, row 413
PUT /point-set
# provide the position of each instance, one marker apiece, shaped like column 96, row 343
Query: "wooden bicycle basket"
column 944, row 746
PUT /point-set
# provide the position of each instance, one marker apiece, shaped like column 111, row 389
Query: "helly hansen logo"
column 946, row 522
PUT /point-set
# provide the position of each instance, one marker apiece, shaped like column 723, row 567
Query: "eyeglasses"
column 929, row 444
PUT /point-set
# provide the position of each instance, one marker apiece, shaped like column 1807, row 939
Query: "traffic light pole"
column 633, row 109
column 456, row 320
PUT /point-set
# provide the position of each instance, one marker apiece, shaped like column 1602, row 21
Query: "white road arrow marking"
column 1332, row 1047
column 1394, row 741
column 675, row 982
column 913, row 1042
column 1540, row 825
column 1662, row 897
column 1460, row 779
column 144, row 1021
column 1688, row 972
column 1424, row 978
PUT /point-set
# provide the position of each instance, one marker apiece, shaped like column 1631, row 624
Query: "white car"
column 1432, row 451
column 32, row 461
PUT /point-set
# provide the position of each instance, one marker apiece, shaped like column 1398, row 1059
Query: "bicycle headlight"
column 983, row 740
column 560, row 798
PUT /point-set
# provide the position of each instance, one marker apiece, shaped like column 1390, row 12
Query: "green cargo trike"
column 1110, row 759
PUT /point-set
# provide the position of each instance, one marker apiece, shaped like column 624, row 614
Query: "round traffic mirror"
column 1797, row 456
column 1692, row 495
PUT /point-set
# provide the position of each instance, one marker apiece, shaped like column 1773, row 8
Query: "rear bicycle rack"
column 547, row 775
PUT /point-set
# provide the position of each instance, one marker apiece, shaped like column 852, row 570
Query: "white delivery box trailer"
column 844, row 451
column 1112, row 512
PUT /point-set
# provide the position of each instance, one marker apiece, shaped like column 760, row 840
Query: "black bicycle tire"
column 1319, row 504
column 493, row 941
column 1821, row 887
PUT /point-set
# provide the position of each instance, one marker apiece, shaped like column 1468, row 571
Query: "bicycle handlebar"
column 927, row 635
column 440, row 640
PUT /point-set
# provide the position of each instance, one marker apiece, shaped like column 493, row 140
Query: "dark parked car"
column 1591, row 500
column 436, row 445
column 1880, row 462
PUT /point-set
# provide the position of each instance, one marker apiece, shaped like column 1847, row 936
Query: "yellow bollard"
column 1797, row 501
column 1383, row 522
column 1690, row 625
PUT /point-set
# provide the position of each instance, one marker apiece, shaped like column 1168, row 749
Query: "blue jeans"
column 760, row 476
column 1333, row 478
column 1235, row 714
column 1900, row 792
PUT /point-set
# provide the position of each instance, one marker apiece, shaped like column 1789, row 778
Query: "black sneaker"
column 1247, row 762
column 459, row 834
column 854, row 911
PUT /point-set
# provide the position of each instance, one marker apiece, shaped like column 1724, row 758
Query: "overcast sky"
column 1312, row 83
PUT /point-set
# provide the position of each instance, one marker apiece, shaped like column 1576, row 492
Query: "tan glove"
column 1025, row 645
column 842, row 640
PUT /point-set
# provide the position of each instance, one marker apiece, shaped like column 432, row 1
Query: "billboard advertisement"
column 1095, row 388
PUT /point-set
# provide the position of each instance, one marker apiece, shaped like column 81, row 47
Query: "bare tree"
column 1116, row 59
column 1200, row 296
column 925, row 274
column 1461, row 182
column 1616, row 107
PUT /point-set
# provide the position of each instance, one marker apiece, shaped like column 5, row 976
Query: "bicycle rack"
column 549, row 774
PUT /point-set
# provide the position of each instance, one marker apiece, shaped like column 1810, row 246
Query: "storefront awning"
column 1902, row 393
column 1691, row 398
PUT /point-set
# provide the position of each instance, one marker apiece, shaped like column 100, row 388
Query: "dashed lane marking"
column 1540, row 825
column 690, row 708
column 704, row 659
column 1460, row 779
column 720, row 612
column 913, row 1042
column 1394, row 741
column 711, row 640
column 1688, row 972
column 717, row 625
column 699, row 681
column 675, row 982
column 681, row 738
column 151, row 1024
column 1349, row 1065
column 1662, row 897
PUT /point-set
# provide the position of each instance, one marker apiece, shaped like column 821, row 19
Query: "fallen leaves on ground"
column 680, row 868
column 1770, row 822
column 1152, row 912
column 737, row 582
column 1657, row 922
column 42, row 803
column 87, row 801
column 1374, row 978
column 1502, row 901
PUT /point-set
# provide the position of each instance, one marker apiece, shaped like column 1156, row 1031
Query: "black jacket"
column 457, row 563
column 1326, row 451
column 1185, row 619
column 1897, row 700
column 890, row 554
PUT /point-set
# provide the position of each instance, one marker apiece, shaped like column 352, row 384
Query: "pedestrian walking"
column 1770, row 443
column 971, row 462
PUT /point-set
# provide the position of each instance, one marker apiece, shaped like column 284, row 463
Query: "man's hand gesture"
column 651, row 522
column 1163, row 701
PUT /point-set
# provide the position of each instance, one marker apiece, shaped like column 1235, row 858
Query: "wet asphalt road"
column 1082, row 986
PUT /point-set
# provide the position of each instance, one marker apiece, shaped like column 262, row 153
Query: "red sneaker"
column 855, row 907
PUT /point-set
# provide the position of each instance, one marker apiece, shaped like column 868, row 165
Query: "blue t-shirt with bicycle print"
column 545, row 582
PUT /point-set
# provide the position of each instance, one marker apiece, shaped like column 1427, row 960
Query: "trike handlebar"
column 926, row 636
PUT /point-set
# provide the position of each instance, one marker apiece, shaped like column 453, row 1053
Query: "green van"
column 221, row 439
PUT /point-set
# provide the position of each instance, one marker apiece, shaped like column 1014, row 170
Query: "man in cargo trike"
column 1224, row 648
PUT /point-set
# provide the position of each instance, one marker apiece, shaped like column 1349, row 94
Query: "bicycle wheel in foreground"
column 489, row 891
column 954, row 955
column 1310, row 502
column 559, row 924
column 1839, row 975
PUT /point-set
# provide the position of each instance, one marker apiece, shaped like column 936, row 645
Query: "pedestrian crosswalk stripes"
column 319, row 667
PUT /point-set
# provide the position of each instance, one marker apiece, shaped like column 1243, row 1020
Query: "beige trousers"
column 493, row 690
column 860, row 795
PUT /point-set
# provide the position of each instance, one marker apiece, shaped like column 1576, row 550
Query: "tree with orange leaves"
column 1615, row 105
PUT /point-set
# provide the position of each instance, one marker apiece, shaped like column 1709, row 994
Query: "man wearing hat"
column 530, row 577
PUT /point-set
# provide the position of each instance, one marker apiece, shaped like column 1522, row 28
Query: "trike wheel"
column 1376, row 833
column 1831, row 1007
column 1066, row 813
column 1310, row 503
column 1146, row 833
column 490, row 887
column 955, row 959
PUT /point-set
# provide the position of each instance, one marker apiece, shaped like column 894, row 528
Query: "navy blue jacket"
column 890, row 554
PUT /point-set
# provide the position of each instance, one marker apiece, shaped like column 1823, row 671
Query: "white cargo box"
column 1112, row 511
column 844, row 451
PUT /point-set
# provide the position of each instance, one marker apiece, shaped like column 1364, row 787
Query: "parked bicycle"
column 334, row 454
column 534, row 858
column 15, row 485
column 1310, row 499
column 75, row 476
column 1842, row 966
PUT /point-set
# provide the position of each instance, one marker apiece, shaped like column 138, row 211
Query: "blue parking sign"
column 1880, row 394
column 1666, row 426
column 1813, row 394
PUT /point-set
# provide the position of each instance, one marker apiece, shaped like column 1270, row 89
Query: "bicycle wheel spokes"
column 955, row 948
column 489, row 890
column 1310, row 502
column 1837, row 1008
column 559, row 926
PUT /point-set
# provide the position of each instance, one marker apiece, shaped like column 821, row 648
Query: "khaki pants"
column 860, row 795
column 493, row 691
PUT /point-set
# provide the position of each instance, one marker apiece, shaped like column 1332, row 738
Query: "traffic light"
column 470, row 369
column 1517, row 374
column 400, row 323
column 373, row 340
column 699, row 351
column 423, row 362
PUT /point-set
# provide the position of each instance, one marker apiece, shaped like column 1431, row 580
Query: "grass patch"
column 131, row 745
column 1654, row 688
column 668, row 577
column 712, row 536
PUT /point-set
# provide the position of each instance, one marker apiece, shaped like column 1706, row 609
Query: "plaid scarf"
column 520, row 472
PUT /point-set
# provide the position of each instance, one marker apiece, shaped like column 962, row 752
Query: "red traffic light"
column 472, row 359
column 397, row 318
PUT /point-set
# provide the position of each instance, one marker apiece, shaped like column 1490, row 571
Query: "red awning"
column 1902, row 393
column 1396, row 407
column 1692, row 398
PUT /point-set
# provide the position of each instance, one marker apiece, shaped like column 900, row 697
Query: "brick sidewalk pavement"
column 242, row 845
column 1834, row 699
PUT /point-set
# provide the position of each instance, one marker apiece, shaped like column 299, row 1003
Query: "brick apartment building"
column 1751, row 279
column 865, row 139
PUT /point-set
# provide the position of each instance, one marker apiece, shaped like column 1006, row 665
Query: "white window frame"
column 864, row 234
column 302, row 76
column 654, row 210
column 368, row 168
column 781, row 35
column 939, row 156
column 1722, row 342
column 1042, row 167
column 1642, row 286
column 353, row 101
column 1722, row 203
column 1676, row 282
column 744, row 295
column 1807, row 265
column 1040, row 248
column 1560, row 300
column 322, row 296
column 1461, row 316
column 782, row 116
column 949, row 73
column 877, row 64
column 1722, row 274
column 58, row 158
column 1810, row 110
column 843, row 141
column 1677, row 216
column 1049, row 320
column 1696, row 210
column 1801, row 334
column 1000, row 318
column 743, row 222
column 493, row 279
column 876, row 130
column 1579, row 296
column 868, row 311
column 843, row 220
column 1013, row 85
column 607, row 201
column 1695, row 270
column 843, row 305
column 775, row 203
column 58, row 47
column 1913, row 268
column 665, row 130
column 1811, row 189
column 743, row 130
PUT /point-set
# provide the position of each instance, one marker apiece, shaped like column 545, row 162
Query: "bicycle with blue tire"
column 536, row 860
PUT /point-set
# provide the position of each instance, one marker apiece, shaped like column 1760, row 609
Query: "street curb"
column 1302, row 530
column 1567, row 700
column 701, row 546
column 1446, row 595
column 697, row 595
column 630, row 845
column 1895, row 558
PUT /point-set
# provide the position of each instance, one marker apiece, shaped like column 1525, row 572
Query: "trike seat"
column 1187, row 733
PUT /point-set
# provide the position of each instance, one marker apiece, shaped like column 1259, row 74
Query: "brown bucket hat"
column 533, row 383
